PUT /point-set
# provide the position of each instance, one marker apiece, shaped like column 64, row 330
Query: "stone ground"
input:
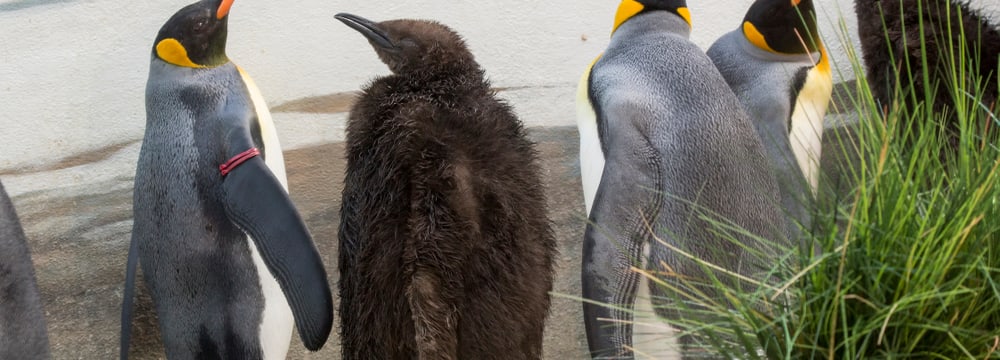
column 79, row 233
column 79, row 240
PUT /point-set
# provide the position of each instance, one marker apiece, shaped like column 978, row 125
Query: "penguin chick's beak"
column 223, row 9
column 367, row 28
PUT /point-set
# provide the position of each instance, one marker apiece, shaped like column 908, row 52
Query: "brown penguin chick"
column 446, row 249
column 891, row 37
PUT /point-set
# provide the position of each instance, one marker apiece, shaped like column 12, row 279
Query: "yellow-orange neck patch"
column 171, row 51
column 755, row 37
column 824, row 61
column 686, row 14
column 626, row 10
column 629, row 8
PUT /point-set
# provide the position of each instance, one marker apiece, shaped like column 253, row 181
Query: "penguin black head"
column 782, row 26
column 413, row 46
column 630, row 8
column 195, row 36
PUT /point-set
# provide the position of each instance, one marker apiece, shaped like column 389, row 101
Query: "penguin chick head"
column 413, row 46
column 630, row 8
column 195, row 36
column 782, row 26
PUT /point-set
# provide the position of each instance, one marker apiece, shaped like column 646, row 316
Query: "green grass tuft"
column 909, row 265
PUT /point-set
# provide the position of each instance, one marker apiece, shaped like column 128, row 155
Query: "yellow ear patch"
column 755, row 37
column 171, row 51
column 626, row 10
column 629, row 8
column 686, row 14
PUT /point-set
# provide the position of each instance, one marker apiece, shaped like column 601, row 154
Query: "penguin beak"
column 223, row 9
column 367, row 28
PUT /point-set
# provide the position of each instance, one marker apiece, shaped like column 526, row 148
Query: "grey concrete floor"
column 79, row 240
column 77, row 215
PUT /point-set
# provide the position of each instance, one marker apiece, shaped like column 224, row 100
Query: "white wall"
column 73, row 72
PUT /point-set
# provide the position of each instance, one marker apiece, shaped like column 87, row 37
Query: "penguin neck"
column 442, row 78
column 757, row 53
column 653, row 22
column 159, row 66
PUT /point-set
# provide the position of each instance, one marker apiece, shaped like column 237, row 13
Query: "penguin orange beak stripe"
column 224, row 9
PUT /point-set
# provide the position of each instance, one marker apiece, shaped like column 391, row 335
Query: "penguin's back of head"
column 424, row 46
column 782, row 26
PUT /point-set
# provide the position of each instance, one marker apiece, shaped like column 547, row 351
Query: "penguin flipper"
column 256, row 201
column 613, row 244
column 128, row 299
column 609, row 287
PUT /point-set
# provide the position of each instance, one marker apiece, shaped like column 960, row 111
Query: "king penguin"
column 22, row 320
column 446, row 248
column 227, row 258
column 679, row 152
column 778, row 67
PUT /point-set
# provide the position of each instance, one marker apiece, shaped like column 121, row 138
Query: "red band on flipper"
column 237, row 160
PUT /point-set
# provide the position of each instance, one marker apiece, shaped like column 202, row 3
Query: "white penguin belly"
column 273, row 156
column 275, row 331
column 806, row 134
column 652, row 338
column 591, row 156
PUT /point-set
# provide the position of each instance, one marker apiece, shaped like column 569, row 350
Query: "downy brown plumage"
column 446, row 249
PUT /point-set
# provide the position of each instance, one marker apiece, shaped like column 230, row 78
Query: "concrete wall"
column 73, row 72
